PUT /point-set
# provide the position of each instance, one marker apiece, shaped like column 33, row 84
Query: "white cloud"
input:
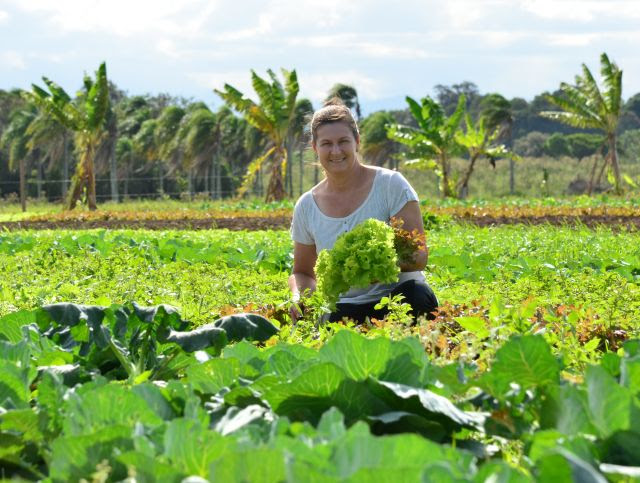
column 397, row 47
column 124, row 17
column 265, row 26
column 313, row 85
column 13, row 59
column 316, row 85
column 571, row 40
column 465, row 13
column 240, row 79
column 582, row 10
column 4, row 16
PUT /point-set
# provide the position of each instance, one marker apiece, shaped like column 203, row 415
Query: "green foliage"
column 584, row 105
column 556, row 146
column 356, row 407
column 359, row 257
column 87, row 118
column 273, row 115
column 433, row 143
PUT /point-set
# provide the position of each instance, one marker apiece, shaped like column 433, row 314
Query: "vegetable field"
column 161, row 355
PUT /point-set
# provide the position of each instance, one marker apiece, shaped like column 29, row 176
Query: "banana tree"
column 16, row 139
column 273, row 116
column 479, row 141
column 86, row 118
column 432, row 144
column 585, row 105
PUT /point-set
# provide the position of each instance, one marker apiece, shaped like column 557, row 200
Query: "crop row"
column 109, row 392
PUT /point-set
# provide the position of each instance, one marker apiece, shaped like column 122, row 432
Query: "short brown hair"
column 334, row 110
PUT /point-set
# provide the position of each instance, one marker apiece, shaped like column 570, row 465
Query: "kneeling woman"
column 351, row 193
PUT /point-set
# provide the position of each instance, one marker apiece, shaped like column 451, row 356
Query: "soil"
column 630, row 223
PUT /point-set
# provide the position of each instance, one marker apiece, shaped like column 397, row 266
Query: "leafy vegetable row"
column 119, row 390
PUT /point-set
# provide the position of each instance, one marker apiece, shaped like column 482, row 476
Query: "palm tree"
column 376, row 147
column 200, row 137
column 432, row 144
column 145, row 143
column 168, row 148
column 16, row 139
column 273, row 116
column 299, row 138
column 124, row 153
column 86, row 120
column 348, row 95
column 585, row 105
column 498, row 114
column 479, row 142
column 51, row 139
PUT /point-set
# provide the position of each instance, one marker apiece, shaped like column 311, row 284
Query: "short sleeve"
column 399, row 193
column 300, row 224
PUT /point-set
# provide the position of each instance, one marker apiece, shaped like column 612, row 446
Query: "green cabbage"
column 359, row 258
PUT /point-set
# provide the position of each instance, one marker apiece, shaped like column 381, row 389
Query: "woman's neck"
column 346, row 181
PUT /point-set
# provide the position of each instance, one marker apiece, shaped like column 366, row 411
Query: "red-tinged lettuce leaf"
column 523, row 360
column 246, row 326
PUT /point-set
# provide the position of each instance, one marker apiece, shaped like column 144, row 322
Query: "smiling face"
column 336, row 147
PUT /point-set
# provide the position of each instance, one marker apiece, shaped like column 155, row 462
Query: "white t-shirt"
column 389, row 193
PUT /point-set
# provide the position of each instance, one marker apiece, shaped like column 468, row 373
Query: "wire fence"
column 147, row 187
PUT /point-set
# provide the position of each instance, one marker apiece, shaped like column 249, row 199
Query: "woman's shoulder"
column 306, row 202
column 389, row 176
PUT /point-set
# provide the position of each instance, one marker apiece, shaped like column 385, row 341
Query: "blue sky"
column 187, row 48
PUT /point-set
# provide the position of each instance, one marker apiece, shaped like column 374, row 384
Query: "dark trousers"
column 417, row 294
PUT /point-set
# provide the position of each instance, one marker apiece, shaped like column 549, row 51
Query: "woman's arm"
column 412, row 218
column 303, row 277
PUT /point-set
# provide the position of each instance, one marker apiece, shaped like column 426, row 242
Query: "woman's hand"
column 302, row 281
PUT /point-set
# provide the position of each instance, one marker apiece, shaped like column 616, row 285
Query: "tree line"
column 152, row 145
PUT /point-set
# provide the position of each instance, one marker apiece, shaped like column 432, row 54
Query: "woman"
column 350, row 193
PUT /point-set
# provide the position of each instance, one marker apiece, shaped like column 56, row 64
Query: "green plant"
column 358, row 258
column 398, row 311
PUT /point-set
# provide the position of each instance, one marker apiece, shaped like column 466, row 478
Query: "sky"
column 187, row 48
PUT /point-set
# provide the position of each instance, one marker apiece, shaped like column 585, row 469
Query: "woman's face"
column 336, row 147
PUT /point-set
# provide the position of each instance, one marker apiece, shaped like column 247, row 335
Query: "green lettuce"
column 359, row 258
